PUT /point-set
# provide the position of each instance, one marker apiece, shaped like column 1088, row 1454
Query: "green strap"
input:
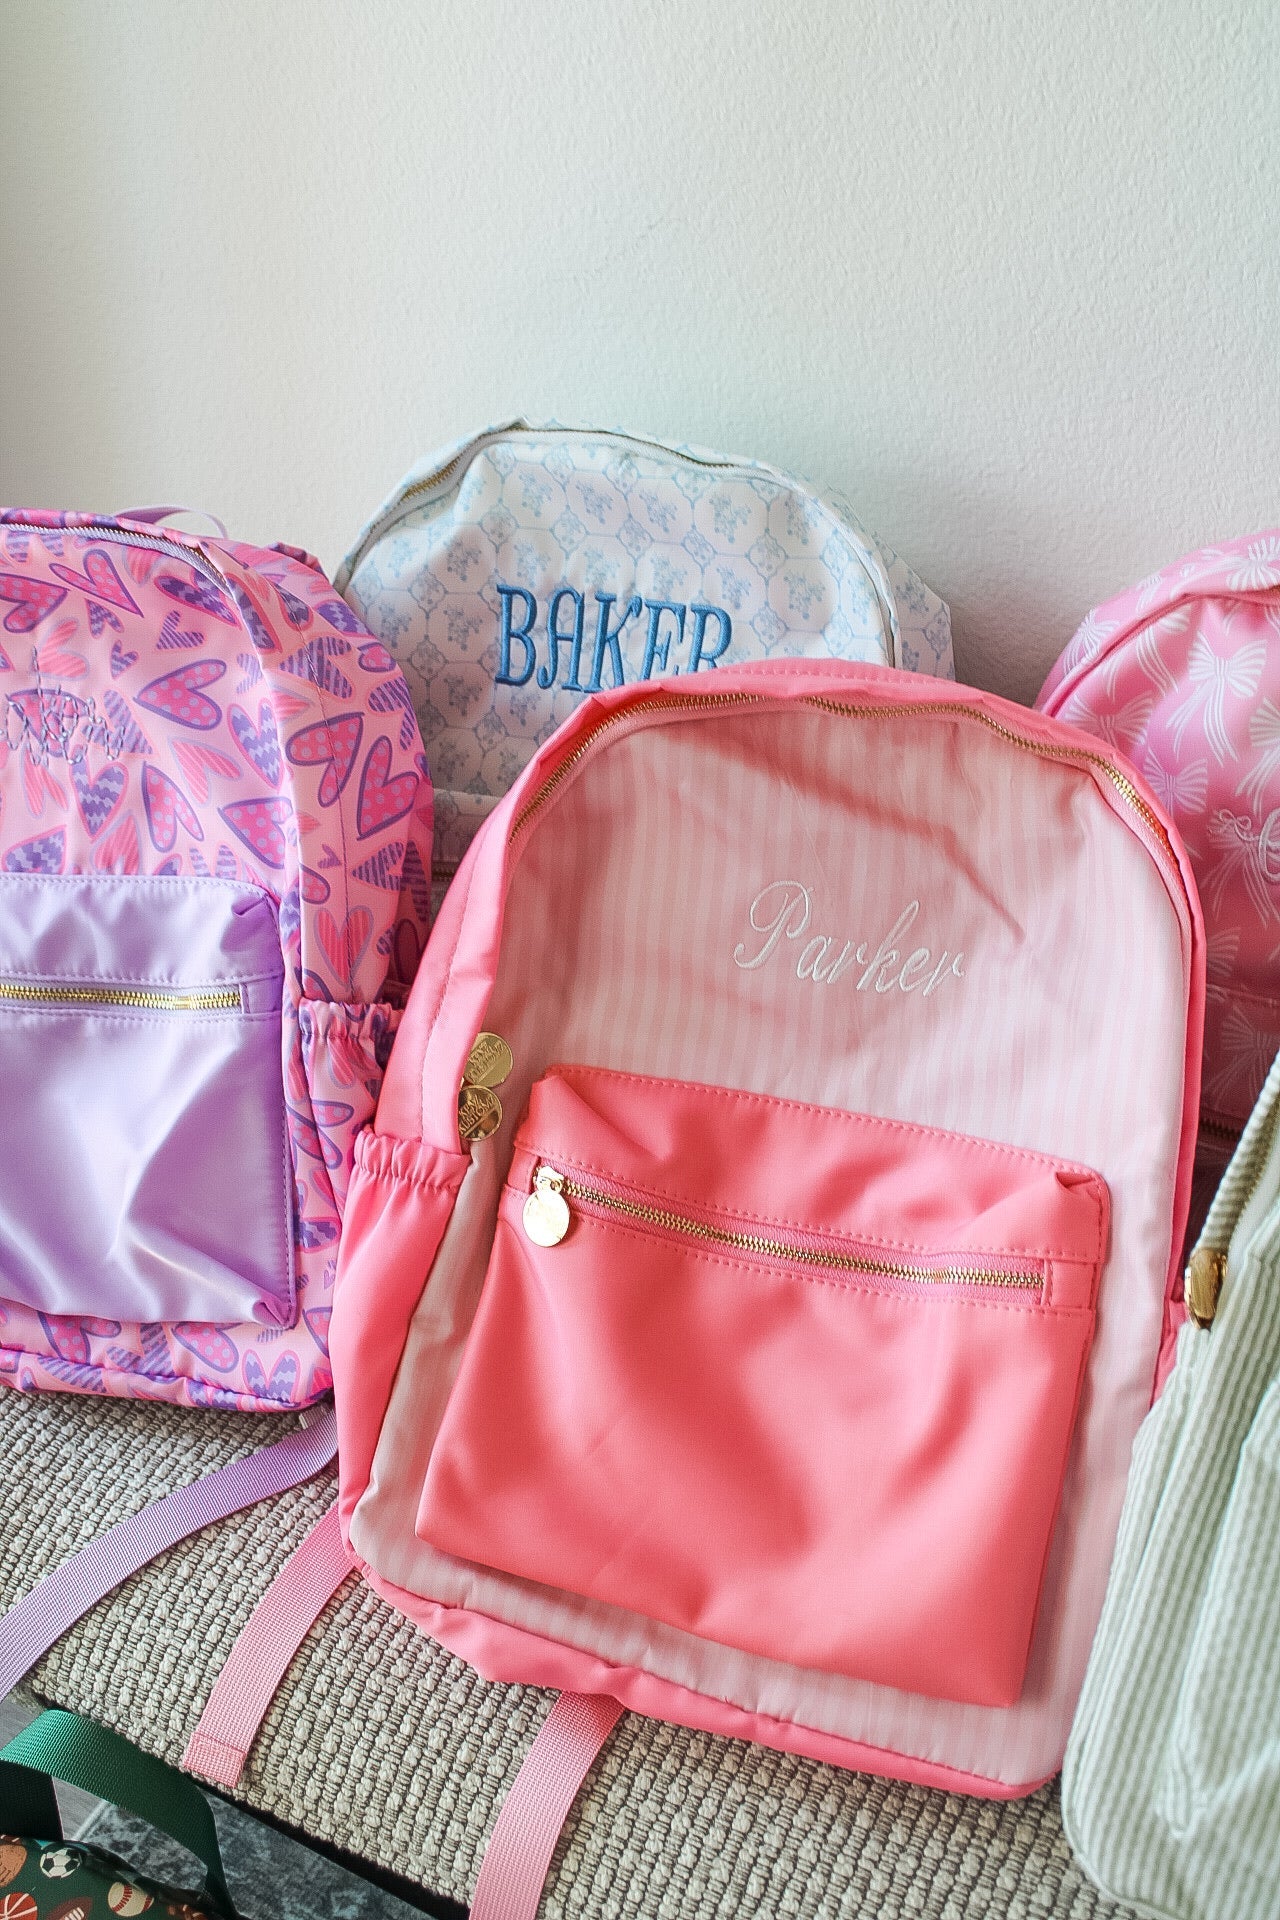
column 28, row 1808
column 100, row 1762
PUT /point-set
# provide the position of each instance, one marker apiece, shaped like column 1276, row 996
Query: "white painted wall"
column 1007, row 272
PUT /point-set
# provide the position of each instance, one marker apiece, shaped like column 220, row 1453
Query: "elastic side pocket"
column 344, row 1052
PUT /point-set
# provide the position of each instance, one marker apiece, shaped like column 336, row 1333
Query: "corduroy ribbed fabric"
column 1172, row 1778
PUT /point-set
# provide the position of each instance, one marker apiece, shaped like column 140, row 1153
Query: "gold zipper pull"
column 546, row 1211
column 479, row 1108
column 479, row 1113
column 489, row 1061
column 1202, row 1283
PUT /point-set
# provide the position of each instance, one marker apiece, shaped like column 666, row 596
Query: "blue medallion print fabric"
column 526, row 566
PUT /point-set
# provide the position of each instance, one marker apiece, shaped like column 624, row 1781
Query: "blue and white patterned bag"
column 524, row 567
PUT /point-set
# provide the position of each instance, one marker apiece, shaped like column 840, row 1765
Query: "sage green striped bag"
column 1171, row 1786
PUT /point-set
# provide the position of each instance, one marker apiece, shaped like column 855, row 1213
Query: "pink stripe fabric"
column 654, row 852
column 524, row 1837
column 64, row 1596
column 261, row 1655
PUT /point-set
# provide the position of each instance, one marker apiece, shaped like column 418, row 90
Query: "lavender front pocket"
column 144, row 1171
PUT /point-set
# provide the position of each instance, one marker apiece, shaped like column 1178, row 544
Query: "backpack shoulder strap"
column 509, row 1884
column 261, row 1655
column 66, row 1594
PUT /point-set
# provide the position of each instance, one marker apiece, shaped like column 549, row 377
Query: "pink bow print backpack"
column 766, row 1245
column 1182, row 675
column 215, row 830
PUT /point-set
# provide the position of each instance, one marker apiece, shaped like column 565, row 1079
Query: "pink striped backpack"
column 766, row 1245
column 1182, row 675
column 215, row 831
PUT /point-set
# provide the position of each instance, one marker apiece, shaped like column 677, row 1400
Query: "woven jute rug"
column 383, row 1744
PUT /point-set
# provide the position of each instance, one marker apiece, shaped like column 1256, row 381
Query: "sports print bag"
column 765, row 1247
column 44, row 1878
column 525, row 567
column 215, row 827
column 1182, row 675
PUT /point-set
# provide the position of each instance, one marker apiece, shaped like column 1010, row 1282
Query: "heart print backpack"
column 215, row 825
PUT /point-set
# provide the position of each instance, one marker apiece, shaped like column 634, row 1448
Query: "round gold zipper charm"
column 479, row 1113
column 546, row 1211
column 489, row 1061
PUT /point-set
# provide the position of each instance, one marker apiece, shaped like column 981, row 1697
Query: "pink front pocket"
column 796, row 1380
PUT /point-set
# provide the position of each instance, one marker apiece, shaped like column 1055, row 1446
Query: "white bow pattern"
column 1181, row 790
column 1244, row 1058
column 1212, row 677
column 1242, row 849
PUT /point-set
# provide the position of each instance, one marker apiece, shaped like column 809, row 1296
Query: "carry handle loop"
column 156, row 516
column 65, row 1595
column 100, row 1762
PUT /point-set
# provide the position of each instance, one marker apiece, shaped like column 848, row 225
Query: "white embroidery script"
column 782, row 911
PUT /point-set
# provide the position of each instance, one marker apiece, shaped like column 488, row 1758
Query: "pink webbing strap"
column 524, row 1837
column 64, row 1596
column 260, row 1657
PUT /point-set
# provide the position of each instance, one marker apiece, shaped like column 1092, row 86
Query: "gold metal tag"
column 479, row 1112
column 1202, row 1283
column 489, row 1061
column 546, row 1211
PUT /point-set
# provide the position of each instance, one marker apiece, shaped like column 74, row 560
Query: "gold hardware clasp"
column 1202, row 1283
column 546, row 1211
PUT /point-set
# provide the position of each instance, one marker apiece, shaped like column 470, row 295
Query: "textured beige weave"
column 382, row 1743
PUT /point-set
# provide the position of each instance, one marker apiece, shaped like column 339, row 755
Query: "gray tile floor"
column 271, row 1876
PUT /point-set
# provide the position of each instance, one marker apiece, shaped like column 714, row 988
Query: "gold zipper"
column 155, row 1000
column 434, row 479
column 548, row 1215
column 1072, row 755
column 658, row 703
column 855, row 710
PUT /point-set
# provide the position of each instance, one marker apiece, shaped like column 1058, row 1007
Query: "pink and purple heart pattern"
column 99, row 581
column 198, row 594
column 33, row 601
column 385, row 797
column 332, row 745
column 125, row 679
column 180, row 695
column 98, row 799
column 259, row 744
column 167, row 808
